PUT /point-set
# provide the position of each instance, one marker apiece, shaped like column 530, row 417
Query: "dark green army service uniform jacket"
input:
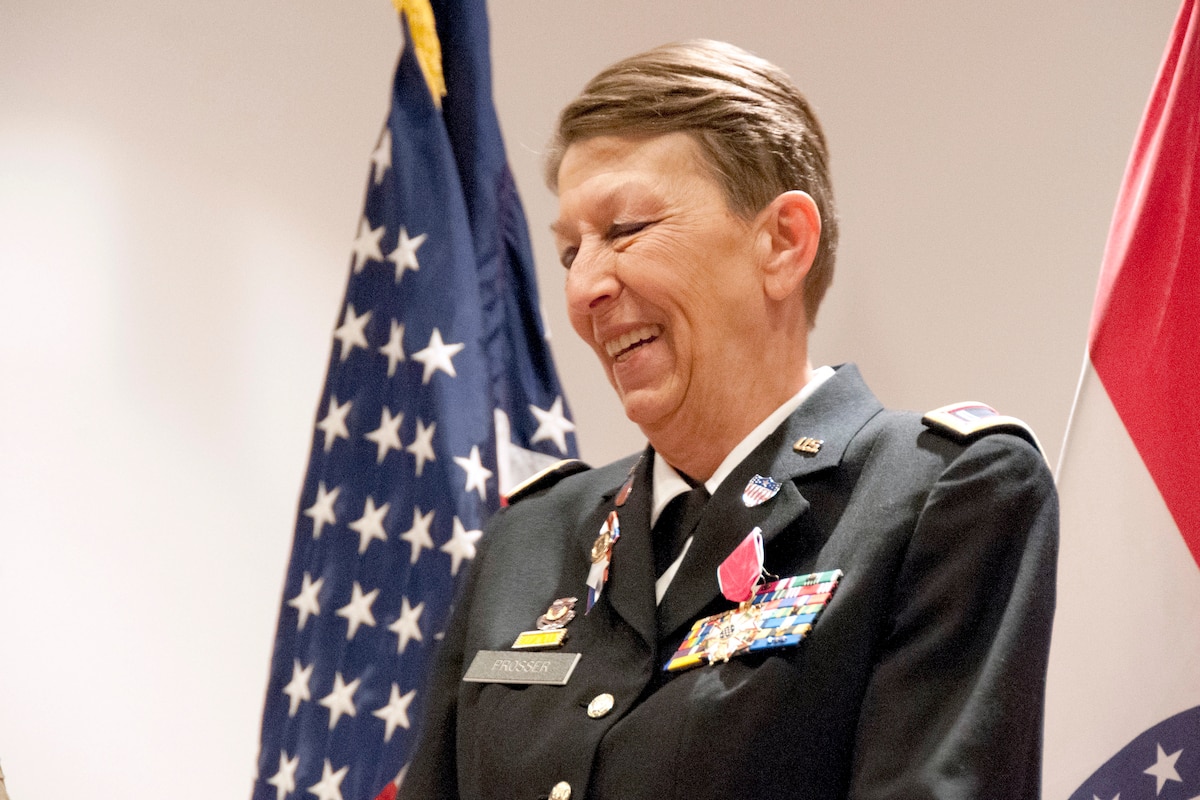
column 923, row 678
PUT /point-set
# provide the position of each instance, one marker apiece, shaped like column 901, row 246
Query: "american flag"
column 440, row 394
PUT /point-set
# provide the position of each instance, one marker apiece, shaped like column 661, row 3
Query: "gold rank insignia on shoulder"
column 965, row 422
column 808, row 445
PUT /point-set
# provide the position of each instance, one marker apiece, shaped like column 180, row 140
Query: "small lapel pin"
column 808, row 445
column 623, row 495
column 759, row 490
column 560, row 612
column 627, row 487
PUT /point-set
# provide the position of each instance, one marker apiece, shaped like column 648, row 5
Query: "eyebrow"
column 604, row 200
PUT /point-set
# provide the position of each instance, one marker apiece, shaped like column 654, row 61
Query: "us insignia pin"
column 759, row 490
column 808, row 445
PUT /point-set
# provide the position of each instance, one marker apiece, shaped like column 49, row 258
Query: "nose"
column 592, row 280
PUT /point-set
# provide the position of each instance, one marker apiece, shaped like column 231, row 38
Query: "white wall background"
column 179, row 186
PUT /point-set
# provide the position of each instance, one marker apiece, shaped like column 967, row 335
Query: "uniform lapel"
column 834, row 413
column 630, row 587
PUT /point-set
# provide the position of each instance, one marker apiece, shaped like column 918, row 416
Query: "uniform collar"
column 667, row 482
column 830, row 418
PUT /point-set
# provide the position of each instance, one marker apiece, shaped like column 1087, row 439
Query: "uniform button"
column 561, row 791
column 601, row 704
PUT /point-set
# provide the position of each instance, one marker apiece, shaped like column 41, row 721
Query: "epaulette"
column 966, row 422
column 544, row 479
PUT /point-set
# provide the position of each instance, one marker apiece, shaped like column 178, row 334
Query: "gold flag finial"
column 423, row 29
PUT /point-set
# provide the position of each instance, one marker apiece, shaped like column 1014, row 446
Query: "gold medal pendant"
column 601, row 556
column 602, row 546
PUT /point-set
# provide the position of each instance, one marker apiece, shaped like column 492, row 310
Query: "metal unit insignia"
column 560, row 612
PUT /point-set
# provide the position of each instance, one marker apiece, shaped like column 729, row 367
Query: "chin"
column 644, row 409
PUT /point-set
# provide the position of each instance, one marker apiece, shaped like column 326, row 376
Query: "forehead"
column 675, row 153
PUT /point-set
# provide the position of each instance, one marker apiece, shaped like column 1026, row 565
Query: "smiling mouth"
column 620, row 348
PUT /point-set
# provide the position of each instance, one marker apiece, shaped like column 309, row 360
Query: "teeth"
column 627, row 340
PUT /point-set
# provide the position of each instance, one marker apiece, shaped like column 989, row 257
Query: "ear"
column 789, row 230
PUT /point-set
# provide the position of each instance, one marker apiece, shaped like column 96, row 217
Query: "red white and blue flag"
column 759, row 490
column 1123, row 699
column 440, row 395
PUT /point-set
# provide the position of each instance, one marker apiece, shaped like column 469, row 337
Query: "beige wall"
column 179, row 185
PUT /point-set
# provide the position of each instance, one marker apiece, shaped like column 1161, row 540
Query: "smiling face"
column 664, row 282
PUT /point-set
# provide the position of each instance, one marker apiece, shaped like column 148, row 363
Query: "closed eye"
column 616, row 231
column 622, row 229
column 567, row 256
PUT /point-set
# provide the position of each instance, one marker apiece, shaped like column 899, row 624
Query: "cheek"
column 662, row 276
column 582, row 325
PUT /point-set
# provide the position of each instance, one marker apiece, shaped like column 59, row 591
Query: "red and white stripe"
column 1126, row 647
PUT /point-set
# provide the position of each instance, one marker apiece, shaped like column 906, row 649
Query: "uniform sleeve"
column 954, row 705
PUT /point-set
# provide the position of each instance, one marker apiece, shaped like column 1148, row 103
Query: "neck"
column 697, row 446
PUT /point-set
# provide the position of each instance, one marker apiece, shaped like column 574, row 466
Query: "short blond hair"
column 757, row 132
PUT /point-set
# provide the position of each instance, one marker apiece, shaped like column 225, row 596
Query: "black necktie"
column 675, row 524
